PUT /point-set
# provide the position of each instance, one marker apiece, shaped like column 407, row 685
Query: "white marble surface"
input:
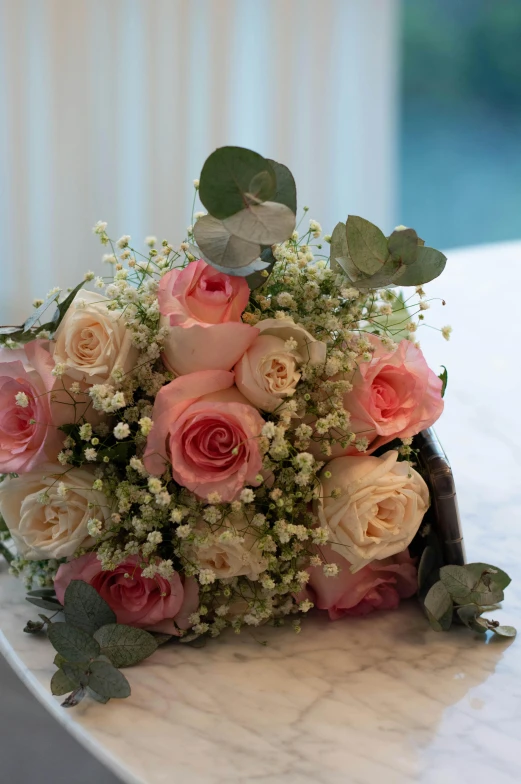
column 360, row 700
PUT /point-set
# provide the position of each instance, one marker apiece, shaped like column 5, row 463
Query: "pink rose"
column 28, row 435
column 394, row 395
column 136, row 600
column 378, row 586
column 208, row 432
column 203, row 309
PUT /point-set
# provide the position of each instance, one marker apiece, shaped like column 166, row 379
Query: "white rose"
column 381, row 506
column 92, row 340
column 231, row 550
column 57, row 527
column 268, row 371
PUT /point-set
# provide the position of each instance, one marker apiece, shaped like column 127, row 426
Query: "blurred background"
column 403, row 111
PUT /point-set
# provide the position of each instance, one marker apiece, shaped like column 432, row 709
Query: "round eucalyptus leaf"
column 339, row 252
column 220, row 247
column 107, row 681
column 439, row 608
column 125, row 645
column 266, row 223
column 367, row 244
column 73, row 644
column 286, row 190
column 233, row 177
column 85, row 608
column 61, row 684
column 429, row 264
column 403, row 245
column 505, row 631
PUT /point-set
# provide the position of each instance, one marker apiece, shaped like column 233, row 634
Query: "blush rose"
column 137, row 601
column 202, row 309
column 28, row 433
column 208, row 432
column 379, row 510
column 378, row 586
column 394, row 395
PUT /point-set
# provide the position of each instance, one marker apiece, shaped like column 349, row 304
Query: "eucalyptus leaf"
column 457, row 580
column 286, row 190
column 85, row 608
column 220, row 247
column 389, row 275
column 469, row 614
column 49, row 593
column 45, row 604
column 429, row 264
column 125, row 645
column 64, row 306
column 265, row 224
column 36, row 315
column 499, row 577
column 73, row 644
column 367, row 245
column 232, row 178
column 107, row 681
column 428, row 564
column 59, row 660
column 505, row 631
column 258, row 278
column 403, row 245
column 339, row 252
column 439, row 608
column 98, row 697
column 76, row 672
column 60, row 683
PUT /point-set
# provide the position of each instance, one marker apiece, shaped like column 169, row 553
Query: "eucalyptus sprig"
column 462, row 594
column 91, row 646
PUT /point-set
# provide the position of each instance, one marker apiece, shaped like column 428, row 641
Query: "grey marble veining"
column 382, row 698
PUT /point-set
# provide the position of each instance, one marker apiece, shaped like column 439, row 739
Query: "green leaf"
column 339, row 252
column 505, row 631
column 444, row 377
column 46, row 604
column 74, row 644
column 458, row 581
column 367, row 245
column 286, row 190
column 107, row 681
column 49, row 593
column 222, row 249
column 234, row 177
column 469, row 614
column 125, row 645
column 428, row 564
column 84, row 607
column 439, row 608
column 429, row 264
column 95, row 696
column 60, row 683
column 64, row 306
column 396, row 323
column 78, row 673
column 59, row 661
column 499, row 577
column 258, row 277
column 265, row 224
column 403, row 245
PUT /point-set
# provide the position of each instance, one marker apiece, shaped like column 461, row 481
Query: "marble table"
column 361, row 700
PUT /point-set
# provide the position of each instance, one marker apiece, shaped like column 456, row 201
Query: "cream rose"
column 231, row 550
column 47, row 511
column 268, row 371
column 92, row 340
column 381, row 506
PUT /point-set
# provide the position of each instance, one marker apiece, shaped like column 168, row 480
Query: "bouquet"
column 220, row 435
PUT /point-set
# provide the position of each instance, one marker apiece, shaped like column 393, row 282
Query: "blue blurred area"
column 460, row 136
